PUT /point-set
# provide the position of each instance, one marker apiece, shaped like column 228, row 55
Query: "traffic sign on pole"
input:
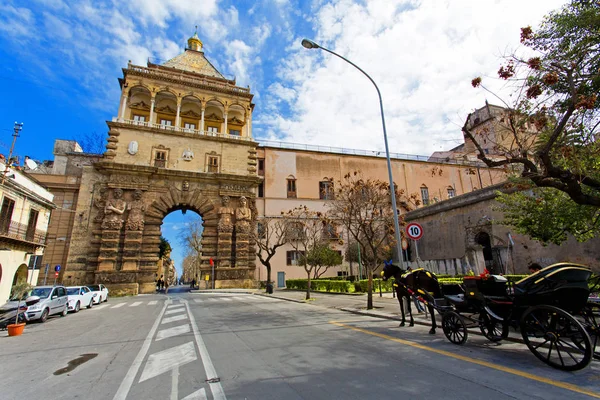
column 414, row 231
column 56, row 274
column 57, row 268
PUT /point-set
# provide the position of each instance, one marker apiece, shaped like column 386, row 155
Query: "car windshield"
column 41, row 292
column 94, row 288
column 72, row 291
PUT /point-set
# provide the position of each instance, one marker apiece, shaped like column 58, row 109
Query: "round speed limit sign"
column 414, row 231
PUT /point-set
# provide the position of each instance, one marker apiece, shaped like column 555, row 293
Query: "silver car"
column 53, row 300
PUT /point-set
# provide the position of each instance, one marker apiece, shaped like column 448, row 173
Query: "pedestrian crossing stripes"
column 168, row 320
column 137, row 303
column 118, row 305
column 153, row 302
column 174, row 331
column 179, row 308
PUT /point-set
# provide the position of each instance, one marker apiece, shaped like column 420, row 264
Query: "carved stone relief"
column 113, row 211
column 137, row 208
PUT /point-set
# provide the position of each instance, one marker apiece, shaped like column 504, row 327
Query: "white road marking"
column 170, row 332
column 163, row 361
column 225, row 299
column 99, row 307
column 197, row 395
column 212, row 299
column 198, row 300
column 209, row 368
column 176, row 306
column 125, row 386
column 177, row 310
column 175, row 383
column 137, row 303
column 153, row 302
column 118, row 305
column 174, row 318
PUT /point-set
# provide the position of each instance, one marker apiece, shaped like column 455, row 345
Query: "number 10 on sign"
column 415, row 232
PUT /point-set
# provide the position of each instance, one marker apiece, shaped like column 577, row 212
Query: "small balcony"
column 22, row 232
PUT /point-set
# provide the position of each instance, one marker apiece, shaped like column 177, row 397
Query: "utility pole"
column 17, row 129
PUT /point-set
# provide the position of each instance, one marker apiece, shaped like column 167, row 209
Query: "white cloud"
column 422, row 55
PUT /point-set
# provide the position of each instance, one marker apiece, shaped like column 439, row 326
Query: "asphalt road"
column 244, row 346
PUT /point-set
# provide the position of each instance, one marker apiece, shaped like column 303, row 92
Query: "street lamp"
column 309, row 44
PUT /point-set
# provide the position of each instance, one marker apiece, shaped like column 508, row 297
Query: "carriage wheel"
column 556, row 337
column 491, row 328
column 454, row 327
column 591, row 322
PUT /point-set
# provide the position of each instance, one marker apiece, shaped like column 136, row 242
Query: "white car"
column 101, row 293
column 80, row 296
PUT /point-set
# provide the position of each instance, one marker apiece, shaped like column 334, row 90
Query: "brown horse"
column 420, row 283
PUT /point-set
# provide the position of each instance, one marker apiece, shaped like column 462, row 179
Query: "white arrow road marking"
column 174, row 331
column 153, row 302
column 198, row 300
column 118, row 305
column 137, row 303
column 125, row 386
column 163, row 361
column 209, row 368
column 197, row 395
column 174, row 318
column 178, row 310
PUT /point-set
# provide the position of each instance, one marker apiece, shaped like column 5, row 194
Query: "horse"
column 418, row 281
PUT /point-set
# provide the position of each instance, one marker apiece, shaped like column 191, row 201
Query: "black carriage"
column 549, row 308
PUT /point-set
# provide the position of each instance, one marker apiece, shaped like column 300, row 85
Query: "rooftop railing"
column 186, row 78
column 370, row 153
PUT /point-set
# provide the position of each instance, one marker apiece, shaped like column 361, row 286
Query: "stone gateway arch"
column 182, row 140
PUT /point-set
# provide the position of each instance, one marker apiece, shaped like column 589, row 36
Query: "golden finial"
column 194, row 43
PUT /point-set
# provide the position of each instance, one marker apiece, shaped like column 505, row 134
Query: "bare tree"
column 271, row 234
column 92, row 142
column 191, row 239
column 363, row 208
column 304, row 232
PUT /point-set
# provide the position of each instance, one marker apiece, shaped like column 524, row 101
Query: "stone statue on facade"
column 243, row 216
column 100, row 204
column 113, row 212
column 225, row 216
column 137, row 208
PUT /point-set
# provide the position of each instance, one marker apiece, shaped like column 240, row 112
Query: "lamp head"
column 309, row 44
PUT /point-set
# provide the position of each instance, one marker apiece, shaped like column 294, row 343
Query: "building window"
column 139, row 118
column 425, row 195
column 261, row 189
column 451, row 192
column 31, row 225
column 188, row 125
column 213, row 164
column 326, row 190
column 235, row 132
column 160, row 158
column 166, row 122
column 342, row 273
column 260, row 227
column 212, row 129
column 291, row 188
column 330, row 231
column 293, row 257
column 261, row 166
column 8, row 205
column 295, row 231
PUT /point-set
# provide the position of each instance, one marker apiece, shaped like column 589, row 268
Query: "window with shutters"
column 160, row 158
column 291, row 188
column 213, row 164
column 8, row 206
column 326, row 190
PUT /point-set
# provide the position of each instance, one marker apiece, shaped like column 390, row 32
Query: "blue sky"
column 61, row 61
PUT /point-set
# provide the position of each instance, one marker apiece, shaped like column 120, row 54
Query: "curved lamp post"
column 309, row 44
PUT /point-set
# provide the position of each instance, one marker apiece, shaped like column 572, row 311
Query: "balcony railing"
column 173, row 128
column 209, row 84
column 17, row 231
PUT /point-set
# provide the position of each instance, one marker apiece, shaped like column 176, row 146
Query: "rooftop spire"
column 194, row 43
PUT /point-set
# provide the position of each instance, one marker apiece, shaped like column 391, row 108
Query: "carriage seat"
column 455, row 298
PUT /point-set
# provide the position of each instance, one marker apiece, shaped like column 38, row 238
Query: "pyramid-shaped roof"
column 194, row 61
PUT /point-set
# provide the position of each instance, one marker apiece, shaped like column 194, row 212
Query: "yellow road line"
column 513, row 371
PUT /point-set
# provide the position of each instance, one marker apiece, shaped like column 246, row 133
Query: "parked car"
column 80, row 296
column 101, row 293
column 53, row 300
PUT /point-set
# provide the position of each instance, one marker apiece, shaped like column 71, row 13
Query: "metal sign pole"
column 46, row 273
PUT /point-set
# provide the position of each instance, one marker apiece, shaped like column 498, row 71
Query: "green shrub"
column 320, row 285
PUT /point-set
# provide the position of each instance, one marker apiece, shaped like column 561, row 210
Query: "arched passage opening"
column 181, row 261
